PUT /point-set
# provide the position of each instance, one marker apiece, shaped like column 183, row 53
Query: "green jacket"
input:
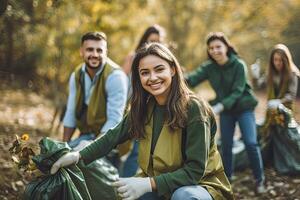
column 229, row 83
column 199, row 164
column 167, row 160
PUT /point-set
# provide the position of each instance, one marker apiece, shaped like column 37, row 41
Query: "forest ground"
column 25, row 111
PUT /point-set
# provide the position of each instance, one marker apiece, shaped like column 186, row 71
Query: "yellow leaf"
column 25, row 137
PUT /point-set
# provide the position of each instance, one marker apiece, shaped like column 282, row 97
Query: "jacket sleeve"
column 196, row 77
column 238, row 87
column 104, row 144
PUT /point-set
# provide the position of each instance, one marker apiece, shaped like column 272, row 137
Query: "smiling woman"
column 235, row 102
column 156, row 77
column 175, row 132
column 154, row 33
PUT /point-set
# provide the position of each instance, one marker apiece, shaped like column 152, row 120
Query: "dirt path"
column 20, row 112
column 23, row 111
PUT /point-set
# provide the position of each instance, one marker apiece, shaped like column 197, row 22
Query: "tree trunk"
column 9, row 27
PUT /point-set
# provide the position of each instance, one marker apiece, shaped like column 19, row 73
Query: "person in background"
column 234, row 101
column 176, row 134
column 97, row 93
column 154, row 33
column 282, row 78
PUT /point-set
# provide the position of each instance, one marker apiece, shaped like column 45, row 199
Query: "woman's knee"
column 191, row 193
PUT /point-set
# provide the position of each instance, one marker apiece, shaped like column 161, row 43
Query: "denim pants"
column 194, row 192
column 75, row 142
column 246, row 121
column 130, row 165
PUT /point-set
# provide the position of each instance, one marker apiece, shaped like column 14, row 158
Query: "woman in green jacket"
column 175, row 131
column 234, row 101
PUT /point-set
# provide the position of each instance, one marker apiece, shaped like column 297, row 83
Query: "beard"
column 87, row 63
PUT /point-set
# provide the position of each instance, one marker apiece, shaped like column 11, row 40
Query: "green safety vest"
column 92, row 118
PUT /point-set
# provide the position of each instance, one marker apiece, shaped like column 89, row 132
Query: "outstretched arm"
column 196, row 77
column 96, row 149
column 105, row 143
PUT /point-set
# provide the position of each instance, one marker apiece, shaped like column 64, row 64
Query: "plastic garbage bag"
column 279, row 140
column 67, row 184
column 99, row 176
column 286, row 144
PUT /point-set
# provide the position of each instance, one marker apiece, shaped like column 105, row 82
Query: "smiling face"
column 218, row 51
column 94, row 52
column 156, row 77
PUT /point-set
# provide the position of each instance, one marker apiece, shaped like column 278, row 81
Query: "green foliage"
column 42, row 37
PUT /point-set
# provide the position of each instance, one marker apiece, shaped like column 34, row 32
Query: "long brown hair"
column 177, row 103
column 288, row 68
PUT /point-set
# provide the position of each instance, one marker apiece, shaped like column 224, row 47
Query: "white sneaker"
column 260, row 188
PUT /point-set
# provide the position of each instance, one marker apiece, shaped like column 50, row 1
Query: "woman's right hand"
column 274, row 103
column 66, row 160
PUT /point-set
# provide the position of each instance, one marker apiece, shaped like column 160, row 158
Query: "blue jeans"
column 194, row 192
column 75, row 142
column 130, row 165
column 247, row 126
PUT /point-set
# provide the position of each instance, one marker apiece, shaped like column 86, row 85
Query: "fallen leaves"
column 22, row 153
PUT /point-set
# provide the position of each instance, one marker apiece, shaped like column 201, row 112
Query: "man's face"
column 94, row 52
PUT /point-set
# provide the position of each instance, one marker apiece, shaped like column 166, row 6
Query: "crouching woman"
column 176, row 134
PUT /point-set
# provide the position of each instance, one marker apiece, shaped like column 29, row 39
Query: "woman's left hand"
column 218, row 108
column 133, row 188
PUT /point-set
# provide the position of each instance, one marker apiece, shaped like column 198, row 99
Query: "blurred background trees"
column 40, row 39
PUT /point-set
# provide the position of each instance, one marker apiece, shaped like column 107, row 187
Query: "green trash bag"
column 99, row 176
column 286, row 145
column 67, row 184
column 279, row 139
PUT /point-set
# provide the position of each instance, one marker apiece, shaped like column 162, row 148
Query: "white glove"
column 274, row 103
column 66, row 160
column 82, row 144
column 218, row 108
column 255, row 69
column 133, row 188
